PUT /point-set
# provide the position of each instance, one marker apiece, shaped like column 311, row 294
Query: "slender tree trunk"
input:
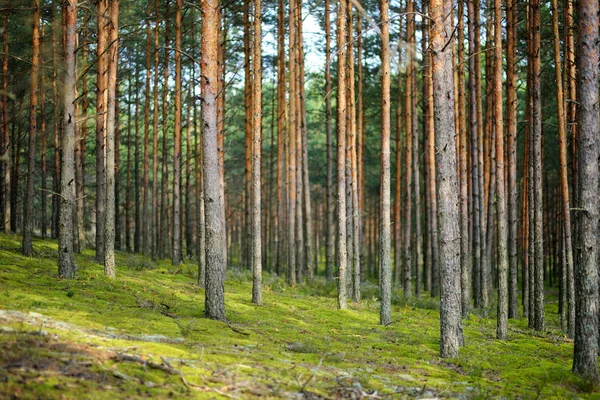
column 408, row 170
column 144, row 227
column 213, row 200
column 155, row 231
column 137, row 237
column 330, row 241
column 341, row 151
column 564, row 182
column 465, row 256
column 81, row 145
column 256, row 157
column 66, row 262
column 33, row 102
column 447, row 179
column 248, row 120
column 281, row 133
column 291, row 237
column 502, row 320
column 109, row 224
column 538, row 204
column 5, row 135
column 585, row 358
column 385, row 315
column 128, row 224
column 44, row 196
column 118, row 226
column 101, row 120
column 177, row 141
column 418, row 245
column 511, row 135
column 163, row 239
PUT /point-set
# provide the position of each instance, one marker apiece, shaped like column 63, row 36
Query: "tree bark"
column 66, row 262
column 511, row 135
column 101, row 120
column 33, row 102
column 447, row 179
column 281, row 134
column 109, row 224
column 585, row 357
column 256, row 157
column 213, row 201
column 564, row 182
column 538, row 204
column 341, row 153
column 177, row 142
column 385, row 315
column 502, row 318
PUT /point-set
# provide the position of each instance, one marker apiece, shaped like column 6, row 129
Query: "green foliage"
column 297, row 342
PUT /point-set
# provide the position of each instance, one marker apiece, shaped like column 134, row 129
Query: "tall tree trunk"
column 447, row 179
column 154, row 233
column 564, row 182
column 538, row 204
column 385, row 315
column 117, row 150
column 33, row 102
column 213, row 201
column 81, row 145
column 164, row 245
column 177, row 141
column 281, row 133
column 502, row 319
column 511, row 135
column 256, row 156
column 585, row 358
column 66, row 262
column 5, row 135
column 408, row 169
column 101, row 111
column 341, row 152
column 109, row 224
column 248, row 120
column 144, row 227
column 465, row 257
column 44, row 196
column 418, row 245
column 291, row 156
column 128, row 225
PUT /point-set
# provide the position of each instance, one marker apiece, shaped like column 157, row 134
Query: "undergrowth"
column 143, row 334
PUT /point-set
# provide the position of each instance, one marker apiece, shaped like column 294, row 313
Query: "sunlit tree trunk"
column 256, row 157
column 109, row 224
column 447, row 179
column 66, row 262
column 213, row 201
column 282, row 133
column 291, row 155
column 177, row 142
column 81, row 145
column 101, row 111
column 502, row 318
column 408, row 169
column 385, row 315
column 163, row 239
column 33, row 103
column 330, row 232
column 341, row 153
column 155, row 231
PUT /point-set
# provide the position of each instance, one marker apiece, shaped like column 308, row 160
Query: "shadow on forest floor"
column 143, row 335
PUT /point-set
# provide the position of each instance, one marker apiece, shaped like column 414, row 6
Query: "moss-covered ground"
column 143, row 334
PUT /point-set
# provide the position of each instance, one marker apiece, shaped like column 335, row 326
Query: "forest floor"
column 143, row 334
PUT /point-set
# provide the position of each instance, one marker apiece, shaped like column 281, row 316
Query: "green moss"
column 298, row 341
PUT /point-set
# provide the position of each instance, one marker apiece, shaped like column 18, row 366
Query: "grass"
column 72, row 339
